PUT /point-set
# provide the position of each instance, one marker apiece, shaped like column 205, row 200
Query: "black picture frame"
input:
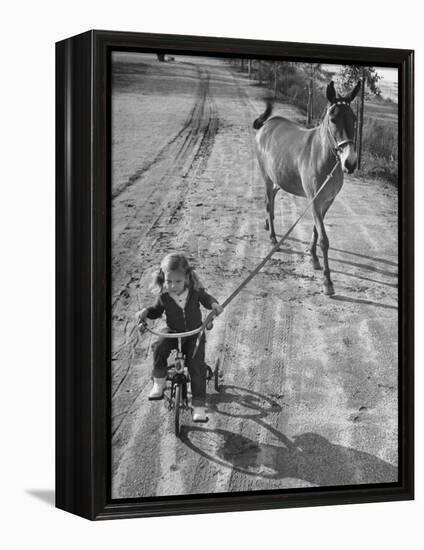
column 82, row 275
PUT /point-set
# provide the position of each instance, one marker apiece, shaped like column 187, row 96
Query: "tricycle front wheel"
column 177, row 404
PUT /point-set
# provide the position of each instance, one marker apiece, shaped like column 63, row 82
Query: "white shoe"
column 199, row 414
column 158, row 388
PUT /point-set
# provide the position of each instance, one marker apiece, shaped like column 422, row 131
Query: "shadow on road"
column 367, row 267
column 360, row 301
column 309, row 457
column 361, row 278
column 244, row 403
column 381, row 260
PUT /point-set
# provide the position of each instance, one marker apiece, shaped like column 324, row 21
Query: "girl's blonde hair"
column 174, row 262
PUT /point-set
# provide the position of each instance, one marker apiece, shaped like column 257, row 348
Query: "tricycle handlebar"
column 200, row 330
column 171, row 334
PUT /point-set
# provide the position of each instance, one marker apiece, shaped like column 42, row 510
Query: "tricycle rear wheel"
column 217, row 376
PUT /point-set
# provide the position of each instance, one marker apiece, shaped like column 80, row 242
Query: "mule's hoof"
column 329, row 289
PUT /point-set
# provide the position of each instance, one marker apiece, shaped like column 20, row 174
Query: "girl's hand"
column 217, row 308
column 141, row 316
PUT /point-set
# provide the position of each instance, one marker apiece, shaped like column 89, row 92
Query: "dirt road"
column 310, row 386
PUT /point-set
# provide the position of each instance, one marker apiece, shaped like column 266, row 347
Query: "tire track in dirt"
column 182, row 140
column 174, row 164
column 179, row 161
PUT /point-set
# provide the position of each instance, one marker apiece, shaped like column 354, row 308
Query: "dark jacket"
column 177, row 319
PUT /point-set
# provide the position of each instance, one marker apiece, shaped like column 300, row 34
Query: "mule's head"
column 341, row 126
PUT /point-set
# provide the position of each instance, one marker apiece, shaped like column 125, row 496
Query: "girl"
column 180, row 294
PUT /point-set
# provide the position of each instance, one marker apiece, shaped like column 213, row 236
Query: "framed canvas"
column 234, row 274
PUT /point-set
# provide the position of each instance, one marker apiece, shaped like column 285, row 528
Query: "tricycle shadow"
column 234, row 401
column 309, row 457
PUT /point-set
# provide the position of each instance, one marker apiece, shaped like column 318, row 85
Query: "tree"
column 275, row 78
column 350, row 75
column 311, row 71
column 260, row 71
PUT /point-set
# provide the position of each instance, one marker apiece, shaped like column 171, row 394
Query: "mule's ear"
column 353, row 93
column 331, row 92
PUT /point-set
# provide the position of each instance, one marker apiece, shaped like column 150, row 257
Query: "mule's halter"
column 337, row 146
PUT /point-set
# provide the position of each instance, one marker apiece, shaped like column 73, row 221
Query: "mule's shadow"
column 356, row 254
column 366, row 267
column 309, row 456
column 362, row 278
column 339, row 298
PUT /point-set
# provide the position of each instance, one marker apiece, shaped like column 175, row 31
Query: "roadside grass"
column 382, row 109
column 377, row 168
column 380, row 141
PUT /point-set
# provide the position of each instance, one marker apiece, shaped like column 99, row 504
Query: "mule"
column 298, row 160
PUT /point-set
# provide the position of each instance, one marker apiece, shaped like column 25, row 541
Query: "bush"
column 380, row 139
column 379, row 168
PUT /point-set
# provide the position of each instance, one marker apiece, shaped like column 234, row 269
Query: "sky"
column 388, row 75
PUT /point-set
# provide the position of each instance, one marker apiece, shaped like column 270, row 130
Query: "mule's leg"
column 275, row 191
column 270, row 205
column 312, row 249
column 324, row 244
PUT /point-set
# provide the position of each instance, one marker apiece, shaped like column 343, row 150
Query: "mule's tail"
column 259, row 122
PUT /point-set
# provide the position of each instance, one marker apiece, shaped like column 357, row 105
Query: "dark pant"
column 196, row 365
